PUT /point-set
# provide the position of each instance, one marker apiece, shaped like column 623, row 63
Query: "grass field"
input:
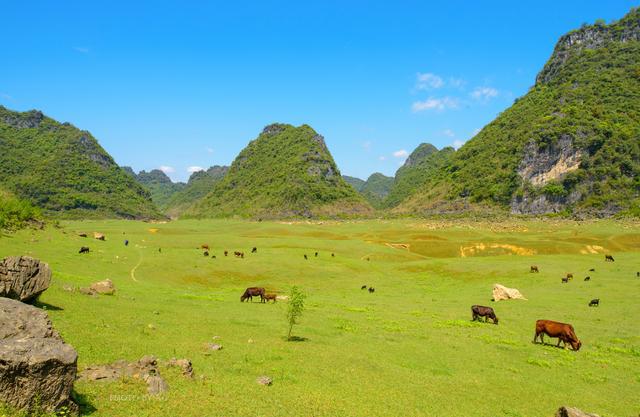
column 409, row 349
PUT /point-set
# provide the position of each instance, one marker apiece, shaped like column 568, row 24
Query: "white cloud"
column 435, row 104
column 382, row 157
column 428, row 81
column 194, row 169
column 401, row 153
column 484, row 93
column 209, row 150
column 457, row 144
column 80, row 49
column 448, row 132
column 5, row 96
column 167, row 169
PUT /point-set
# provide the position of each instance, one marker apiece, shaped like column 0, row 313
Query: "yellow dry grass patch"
column 153, row 230
column 481, row 247
column 592, row 250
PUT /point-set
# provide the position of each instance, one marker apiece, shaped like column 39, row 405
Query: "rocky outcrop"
column 539, row 165
column 500, row 292
column 105, row 287
column 573, row 412
column 27, row 120
column 23, row 278
column 590, row 37
column 36, row 365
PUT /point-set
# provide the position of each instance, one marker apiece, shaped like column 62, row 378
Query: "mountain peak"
column 421, row 152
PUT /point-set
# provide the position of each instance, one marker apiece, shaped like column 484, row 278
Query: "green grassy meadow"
column 409, row 349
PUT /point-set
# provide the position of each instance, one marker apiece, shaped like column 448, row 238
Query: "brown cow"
column 482, row 311
column 564, row 332
column 204, row 246
column 268, row 297
column 251, row 292
column 569, row 275
column 534, row 268
column 565, row 280
column 254, row 250
column 608, row 258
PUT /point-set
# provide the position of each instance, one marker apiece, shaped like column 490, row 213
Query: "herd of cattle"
column 563, row 331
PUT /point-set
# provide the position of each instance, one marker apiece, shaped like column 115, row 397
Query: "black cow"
column 364, row 287
column 565, row 280
column 333, row 255
column 305, row 256
column 205, row 253
column 316, row 254
column 371, row 289
column 126, row 243
column 594, row 303
column 84, row 249
column 254, row 250
column 608, row 258
column 587, row 278
column 251, row 292
column 592, row 270
column 482, row 311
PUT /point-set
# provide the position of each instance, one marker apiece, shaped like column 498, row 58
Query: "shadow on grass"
column 554, row 345
column 296, row 339
column 86, row 408
column 47, row 306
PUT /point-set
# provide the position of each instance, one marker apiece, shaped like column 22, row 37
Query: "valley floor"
column 408, row 349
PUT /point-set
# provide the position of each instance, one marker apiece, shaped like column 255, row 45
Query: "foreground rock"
column 264, row 380
column 500, row 292
column 573, row 412
column 35, row 363
column 23, row 278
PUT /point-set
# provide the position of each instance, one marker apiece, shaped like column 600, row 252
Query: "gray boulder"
column 35, row 363
column 573, row 412
column 23, row 278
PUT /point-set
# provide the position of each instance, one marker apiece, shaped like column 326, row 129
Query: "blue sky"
column 188, row 84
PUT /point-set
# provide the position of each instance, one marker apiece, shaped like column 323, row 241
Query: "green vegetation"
column 286, row 172
column 588, row 93
column 425, row 164
column 411, row 345
column 376, row 188
column 295, row 308
column 16, row 214
column 200, row 184
column 160, row 186
column 356, row 183
column 64, row 170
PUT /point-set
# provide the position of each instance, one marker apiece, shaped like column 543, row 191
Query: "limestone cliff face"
column 541, row 165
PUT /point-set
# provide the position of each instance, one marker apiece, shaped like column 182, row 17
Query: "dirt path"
column 133, row 270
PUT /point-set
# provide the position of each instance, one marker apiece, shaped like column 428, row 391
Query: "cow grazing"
column 372, row 290
column 608, row 258
column 305, row 256
column 594, row 303
column 482, row 311
column 569, row 275
column 159, row 250
column 126, row 243
column 205, row 253
column 251, row 292
column 316, row 254
column 213, row 256
column 268, row 297
column 84, row 249
column 565, row 280
column 564, row 332
column 333, row 255
column 587, row 278
column 637, row 274
column 226, row 253
column 82, row 234
column 364, row 287
column 534, row 268
column 592, row 270
column 254, row 250
column 238, row 254
column 204, row 246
